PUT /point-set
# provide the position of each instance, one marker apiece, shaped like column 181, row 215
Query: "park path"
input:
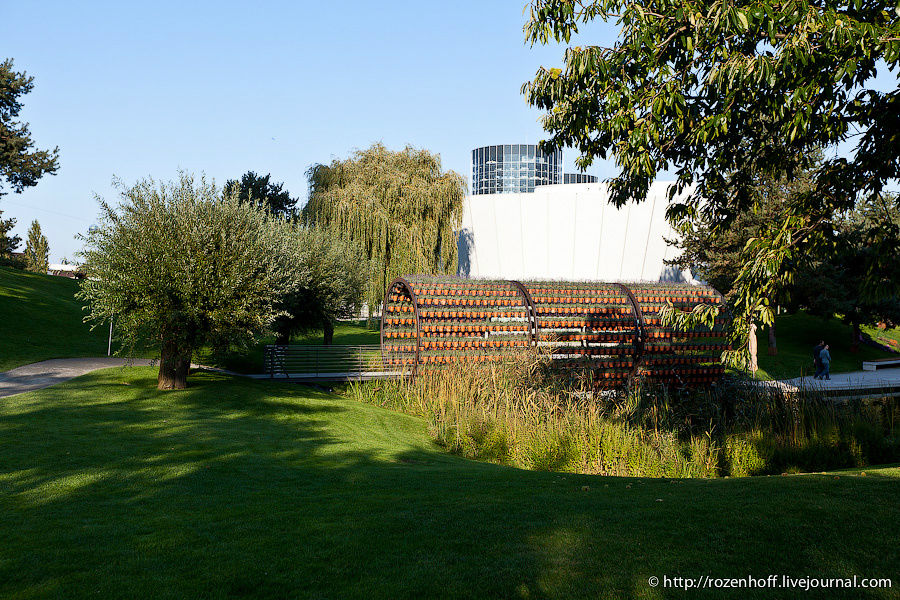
column 50, row 372
column 855, row 382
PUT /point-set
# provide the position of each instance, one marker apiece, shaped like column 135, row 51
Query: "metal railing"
column 326, row 362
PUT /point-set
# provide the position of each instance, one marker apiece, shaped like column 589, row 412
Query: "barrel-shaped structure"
column 614, row 329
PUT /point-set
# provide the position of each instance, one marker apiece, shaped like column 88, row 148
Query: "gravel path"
column 50, row 372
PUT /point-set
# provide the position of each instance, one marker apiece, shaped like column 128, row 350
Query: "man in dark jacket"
column 817, row 363
column 825, row 361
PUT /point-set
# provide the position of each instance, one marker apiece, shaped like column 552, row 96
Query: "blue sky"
column 138, row 89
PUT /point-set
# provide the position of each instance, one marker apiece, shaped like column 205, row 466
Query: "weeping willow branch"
column 399, row 207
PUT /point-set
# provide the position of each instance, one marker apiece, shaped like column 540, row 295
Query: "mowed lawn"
column 40, row 319
column 236, row 488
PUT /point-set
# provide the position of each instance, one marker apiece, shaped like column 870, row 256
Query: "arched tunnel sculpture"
column 612, row 328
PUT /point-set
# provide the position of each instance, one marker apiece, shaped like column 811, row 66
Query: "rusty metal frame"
column 529, row 310
column 415, row 302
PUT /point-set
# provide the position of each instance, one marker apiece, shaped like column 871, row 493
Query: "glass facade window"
column 579, row 178
column 511, row 168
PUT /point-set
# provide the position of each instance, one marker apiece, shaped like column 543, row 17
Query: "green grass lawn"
column 796, row 336
column 40, row 319
column 885, row 337
column 347, row 333
column 109, row 488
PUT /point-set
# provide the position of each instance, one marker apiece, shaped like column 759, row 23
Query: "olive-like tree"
column 400, row 208
column 180, row 265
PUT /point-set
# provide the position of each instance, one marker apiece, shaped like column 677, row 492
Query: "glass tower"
column 514, row 168
column 579, row 178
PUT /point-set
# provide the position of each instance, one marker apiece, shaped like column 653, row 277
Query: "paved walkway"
column 853, row 381
column 50, row 372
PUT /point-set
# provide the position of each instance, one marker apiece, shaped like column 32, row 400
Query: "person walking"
column 817, row 364
column 825, row 359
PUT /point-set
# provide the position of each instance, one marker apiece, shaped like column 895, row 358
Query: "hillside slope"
column 797, row 334
column 40, row 319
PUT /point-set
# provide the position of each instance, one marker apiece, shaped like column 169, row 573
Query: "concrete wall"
column 567, row 232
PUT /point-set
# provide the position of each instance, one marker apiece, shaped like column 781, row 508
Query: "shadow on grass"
column 240, row 488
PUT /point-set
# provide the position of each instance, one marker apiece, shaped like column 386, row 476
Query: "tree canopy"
column 715, row 254
column 828, row 278
column 719, row 92
column 37, row 250
column 8, row 243
column 260, row 189
column 835, row 283
column 334, row 280
column 400, row 208
column 21, row 165
column 178, row 266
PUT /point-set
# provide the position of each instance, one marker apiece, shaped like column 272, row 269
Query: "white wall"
column 567, row 232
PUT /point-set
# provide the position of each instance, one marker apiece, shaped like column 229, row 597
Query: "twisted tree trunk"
column 174, row 364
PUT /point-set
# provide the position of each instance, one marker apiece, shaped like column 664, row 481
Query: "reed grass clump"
column 527, row 414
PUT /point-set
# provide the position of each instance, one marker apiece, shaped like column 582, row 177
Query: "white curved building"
column 568, row 232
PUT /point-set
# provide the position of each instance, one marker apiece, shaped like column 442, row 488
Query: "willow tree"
column 180, row 266
column 400, row 208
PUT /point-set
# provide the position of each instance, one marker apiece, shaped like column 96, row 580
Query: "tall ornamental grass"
column 526, row 414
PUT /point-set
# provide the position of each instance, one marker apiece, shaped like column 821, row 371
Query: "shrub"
column 523, row 413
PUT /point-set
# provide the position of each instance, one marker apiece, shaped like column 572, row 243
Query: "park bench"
column 872, row 365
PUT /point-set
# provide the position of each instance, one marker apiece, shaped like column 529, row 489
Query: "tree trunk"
column 857, row 338
column 751, row 348
column 328, row 331
column 174, row 363
column 773, row 344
